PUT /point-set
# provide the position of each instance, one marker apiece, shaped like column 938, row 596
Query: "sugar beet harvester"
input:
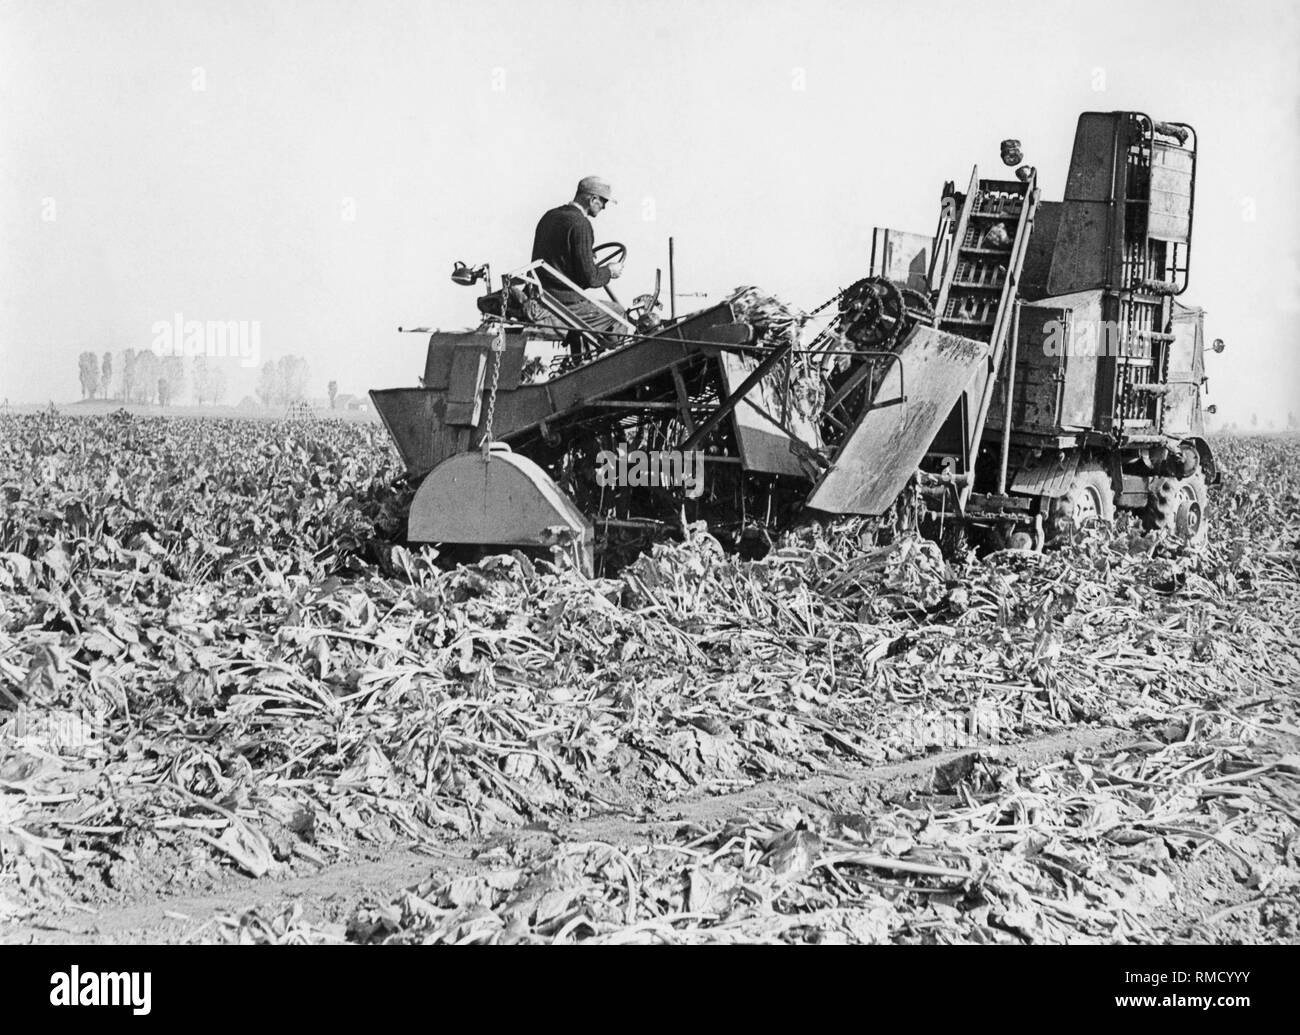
column 1026, row 369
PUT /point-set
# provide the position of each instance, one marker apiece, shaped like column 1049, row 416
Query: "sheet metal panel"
column 1182, row 411
column 1085, row 230
column 503, row 498
column 465, row 386
column 1057, row 356
column 1171, row 194
column 884, row 447
column 764, row 444
column 1038, row 256
column 416, row 421
column 1048, row 476
column 902, row 257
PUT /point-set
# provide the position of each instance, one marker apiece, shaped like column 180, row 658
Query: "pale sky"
column 202, row 157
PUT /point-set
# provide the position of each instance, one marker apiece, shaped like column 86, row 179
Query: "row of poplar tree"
column 142, row 376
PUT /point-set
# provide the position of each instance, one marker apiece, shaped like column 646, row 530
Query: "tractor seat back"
column 522, row 301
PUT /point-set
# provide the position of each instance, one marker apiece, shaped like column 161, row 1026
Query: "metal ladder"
column 976, row 298
column 1144, row 289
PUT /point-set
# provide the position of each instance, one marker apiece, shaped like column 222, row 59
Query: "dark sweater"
column 564, row 239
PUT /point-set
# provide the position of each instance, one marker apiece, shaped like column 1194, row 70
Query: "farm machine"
column 1026, row 369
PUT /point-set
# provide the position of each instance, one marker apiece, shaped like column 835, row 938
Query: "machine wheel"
column 873, row 310
column 1178, row 506
column 1022, row 540
column 1090, row 499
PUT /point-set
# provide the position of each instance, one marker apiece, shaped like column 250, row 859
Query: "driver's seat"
column 531, row 308
column 529, row 302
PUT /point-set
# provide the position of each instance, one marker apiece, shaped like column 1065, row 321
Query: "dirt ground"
column 1209, row 903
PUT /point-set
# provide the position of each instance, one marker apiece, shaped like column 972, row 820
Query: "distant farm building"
column 351, row 402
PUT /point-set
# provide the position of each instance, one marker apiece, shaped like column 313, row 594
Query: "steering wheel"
column 615, row 252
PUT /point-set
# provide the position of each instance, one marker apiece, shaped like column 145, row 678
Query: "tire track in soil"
column 331, row 893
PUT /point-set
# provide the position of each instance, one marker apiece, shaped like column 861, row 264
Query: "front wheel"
column 1177, row 506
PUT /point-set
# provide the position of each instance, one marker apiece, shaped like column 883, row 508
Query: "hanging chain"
column 498, row 347
column 492, row 395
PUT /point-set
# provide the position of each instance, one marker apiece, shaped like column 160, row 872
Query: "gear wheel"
column 1177, row 506
column 872, row 311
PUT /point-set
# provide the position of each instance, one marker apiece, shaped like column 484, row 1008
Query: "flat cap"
column 595, row 185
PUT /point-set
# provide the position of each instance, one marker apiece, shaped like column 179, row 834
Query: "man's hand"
column 615, row 270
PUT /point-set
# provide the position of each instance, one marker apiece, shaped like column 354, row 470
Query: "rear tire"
column 1177, row 507
column 1089, row 500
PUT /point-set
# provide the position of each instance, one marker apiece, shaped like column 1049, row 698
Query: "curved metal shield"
column 496, row 499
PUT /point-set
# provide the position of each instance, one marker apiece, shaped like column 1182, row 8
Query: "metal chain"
column 498, row 347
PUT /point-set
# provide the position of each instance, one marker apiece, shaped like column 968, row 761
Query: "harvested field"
column 235, row 710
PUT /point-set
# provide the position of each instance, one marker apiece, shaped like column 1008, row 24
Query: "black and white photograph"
column 650, row 473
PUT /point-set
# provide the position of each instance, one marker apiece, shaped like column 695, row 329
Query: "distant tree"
column 147, row 372
column 284, row 381
column 283, row 371
column 88, row 370
column 173, row 372
column 334, row 391
column 106, row 375
column 268, row 384
column 128, row 374
column 216, row 384
column 292, row 374
column 202, row 380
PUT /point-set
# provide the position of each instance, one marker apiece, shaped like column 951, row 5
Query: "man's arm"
column 581, row 242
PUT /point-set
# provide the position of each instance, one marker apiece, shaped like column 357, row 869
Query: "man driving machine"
column 565, row 239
